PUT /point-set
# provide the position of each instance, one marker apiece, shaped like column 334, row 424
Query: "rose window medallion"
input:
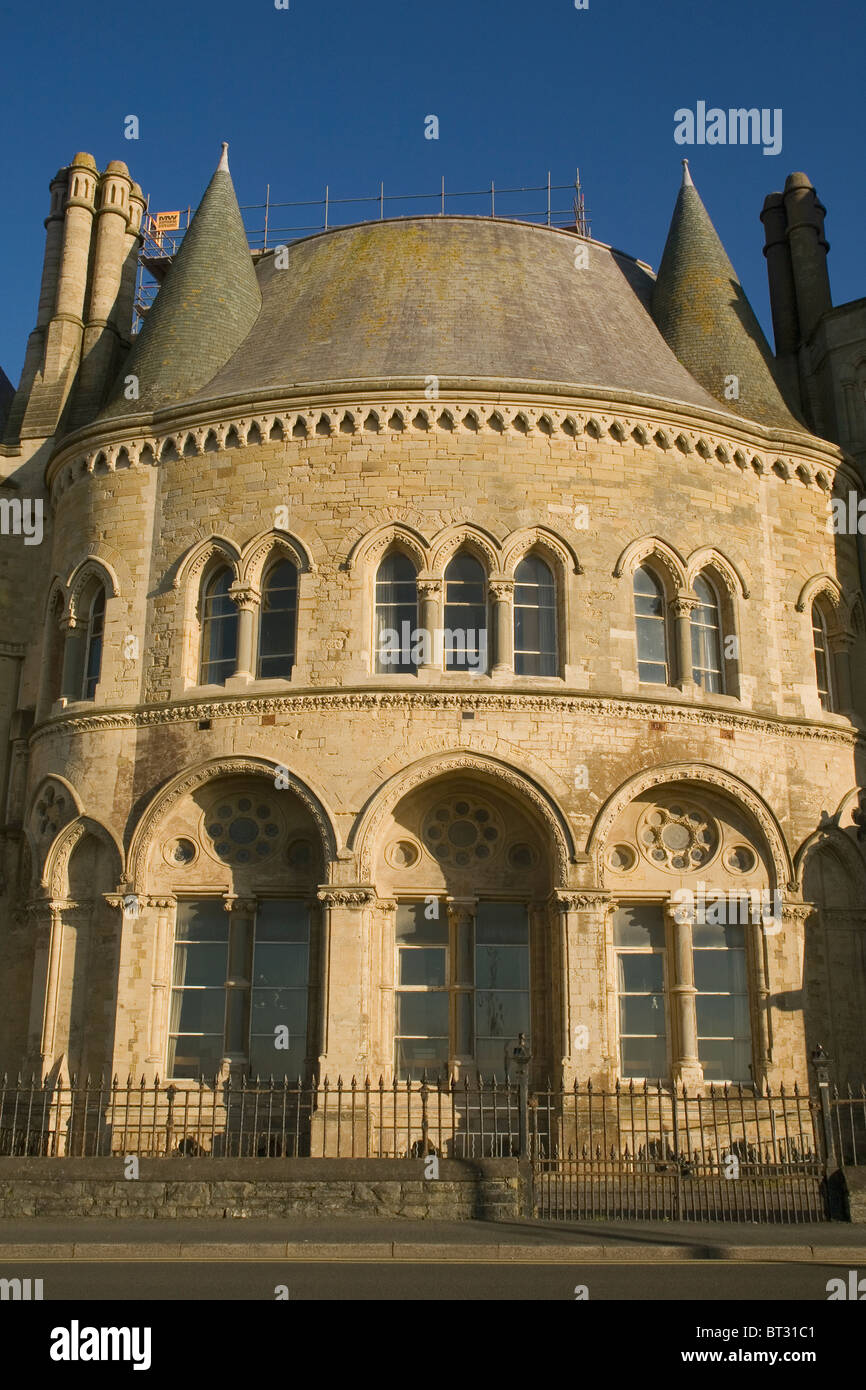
column 677, row 837
column 241, row 830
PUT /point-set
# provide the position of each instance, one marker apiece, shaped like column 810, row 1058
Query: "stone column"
column 430, row 616
column 762, row 1040
column 584, row 1040
column 248, row 600
column 685, row 1066
column 47, row 935
column 681, row 609
column 502, row 594
column 841, row 645
column 75, row 632
column 345, row 1026
column 160, row 986
column 461, row 915
column 242, row 917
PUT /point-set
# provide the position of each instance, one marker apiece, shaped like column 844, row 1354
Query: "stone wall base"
column 484, row 1189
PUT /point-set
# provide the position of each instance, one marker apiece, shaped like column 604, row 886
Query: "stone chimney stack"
column 107, row 329
column 783, row 294
column 84, row 318
column 808, row 247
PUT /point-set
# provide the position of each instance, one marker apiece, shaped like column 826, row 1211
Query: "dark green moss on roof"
column 202, row 313
column 706, row 319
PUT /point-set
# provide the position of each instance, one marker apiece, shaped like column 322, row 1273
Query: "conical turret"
column 702, row 311
column 207, row 305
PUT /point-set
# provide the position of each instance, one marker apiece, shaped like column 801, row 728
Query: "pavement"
column 382, row 1240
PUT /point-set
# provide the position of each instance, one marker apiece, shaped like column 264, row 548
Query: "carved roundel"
column 180, row 852
column 403, row 854
column 462, row 831
column 244, row 828
column 678, row 836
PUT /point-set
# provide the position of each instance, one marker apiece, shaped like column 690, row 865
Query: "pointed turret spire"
column 206, row 307
column 702, row 311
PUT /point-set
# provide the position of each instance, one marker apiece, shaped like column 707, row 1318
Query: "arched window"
column 396, row 614
column 535, row 651
column 650, row 628
column 823, row 671
column 278, row 622
column 706, row 625
column 93, row 644
column 219, row 639
column 465, row 637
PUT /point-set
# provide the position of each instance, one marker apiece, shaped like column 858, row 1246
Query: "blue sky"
column 337, row 91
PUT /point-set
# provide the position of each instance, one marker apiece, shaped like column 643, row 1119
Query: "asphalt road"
column 410, row 1281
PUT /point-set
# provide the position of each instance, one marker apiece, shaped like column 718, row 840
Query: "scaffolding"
column 163, row 232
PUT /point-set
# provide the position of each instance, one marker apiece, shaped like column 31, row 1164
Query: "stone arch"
column 194, row 778
column 821, row 585
column 257, row 553
column 192, row 565
column 668, row 559
column 702, row 776
column 95, row 567
column 543, row 540
column 55, row 875
column 362, row 838
column 832, row 841
column 398, row 535
column 465, row 536
column 707, row 557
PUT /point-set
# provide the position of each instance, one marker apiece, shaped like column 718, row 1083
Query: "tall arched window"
column 706, row 625
column 396, row 614
column 823, row 665
column 278, row 622
column 535, row 651
column 219, row 639
column 465, row 615
column 93, row 644
column 650, row 628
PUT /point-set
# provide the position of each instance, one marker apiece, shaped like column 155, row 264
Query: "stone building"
column 432, row 631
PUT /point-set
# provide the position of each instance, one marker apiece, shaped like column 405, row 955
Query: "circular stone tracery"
column 462, row 831
column 240, row 830
column 677, row 837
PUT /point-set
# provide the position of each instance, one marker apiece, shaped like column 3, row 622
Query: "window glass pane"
column 278, row 621
column 266, row 1060
column 201, row 1011
column 725, row 1061
column 643, row 1013
column 413, row 925
column 644, row 1057
column 422, row 1015
column 640, row 972
column 197, row 963
column 650, row 628
column 275, row 1008
column 280, row 964
column 720, row 970
column 219, row 630
column 722, row 1015
column 202, row 921
column 189, row 1058
column 282, row 920
column 415, row 1055
column 639, row 925
column 706, row 634
column 502, row 967
column 501, row 923
column 396, row 614
column 463, row 1039
column 534, row 619
column 501, row 1014
column 422, row 967
column 721, row 934
column 465, row 614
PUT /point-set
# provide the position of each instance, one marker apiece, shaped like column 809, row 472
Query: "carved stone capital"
column 584, row 901
column 683, row 606
column 246, row 596
column 502, row 590
column 346, row 897
column 429, row 588
column 243, row 907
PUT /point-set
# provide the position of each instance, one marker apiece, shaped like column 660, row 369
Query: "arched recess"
column 194, row 561
column 545, row 542
column 94, row 567
column 192, row 780
column 365, row 832
column 56, row 877
column 189, row 581
column 369, row 549
column 258, row 552
column 464, row 536
column 707, row 557
column 53, row 806
column 669, row 561
column 839, row 849
column 823, row 585
column 699, row 775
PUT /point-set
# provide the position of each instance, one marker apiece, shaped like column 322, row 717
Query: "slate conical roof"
column 702, row 311
column 207, row 305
